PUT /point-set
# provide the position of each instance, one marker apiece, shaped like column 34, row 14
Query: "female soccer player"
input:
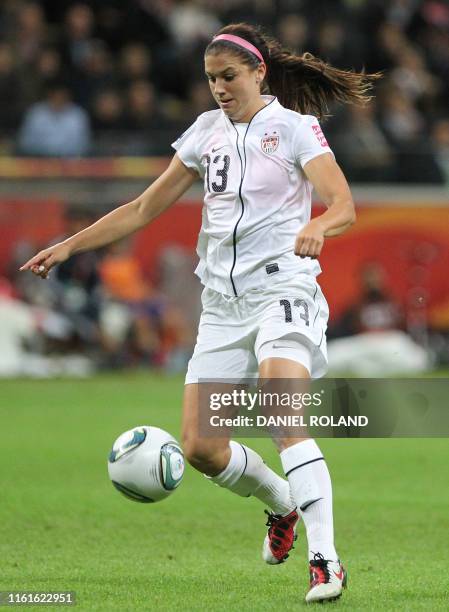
column 259, row 155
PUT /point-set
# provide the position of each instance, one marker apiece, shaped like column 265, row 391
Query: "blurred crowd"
column 107, row 77
column 98, row 310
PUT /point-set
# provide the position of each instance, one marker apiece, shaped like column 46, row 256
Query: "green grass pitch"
column 64, row 527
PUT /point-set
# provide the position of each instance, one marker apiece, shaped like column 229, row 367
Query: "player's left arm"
column 331, row 186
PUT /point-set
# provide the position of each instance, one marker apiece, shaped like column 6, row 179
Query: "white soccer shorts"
column 235, row 334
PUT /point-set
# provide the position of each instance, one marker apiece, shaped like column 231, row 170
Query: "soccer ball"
column 146, row 464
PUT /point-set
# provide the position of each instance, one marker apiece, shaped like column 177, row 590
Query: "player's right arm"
column 122, row 221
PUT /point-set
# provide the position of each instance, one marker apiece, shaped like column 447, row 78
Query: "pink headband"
column 241, row 42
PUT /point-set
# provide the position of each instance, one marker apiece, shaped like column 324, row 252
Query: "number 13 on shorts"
column 294, row 308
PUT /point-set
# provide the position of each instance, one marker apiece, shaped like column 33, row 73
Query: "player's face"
column 234, row 85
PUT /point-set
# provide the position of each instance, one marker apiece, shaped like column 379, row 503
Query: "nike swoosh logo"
column 307, row 504
column 339, row 575
column 218, row 148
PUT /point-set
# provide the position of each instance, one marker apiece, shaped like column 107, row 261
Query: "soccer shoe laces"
column 319, row 570
column 280, row 533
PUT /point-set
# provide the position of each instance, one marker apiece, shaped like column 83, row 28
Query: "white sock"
column 311, row 488
column 246, row 474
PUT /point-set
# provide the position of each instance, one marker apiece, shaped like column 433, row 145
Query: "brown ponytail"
column 302, row 83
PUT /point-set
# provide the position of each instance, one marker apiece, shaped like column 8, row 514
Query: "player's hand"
column 43, row 262
column 310, row 240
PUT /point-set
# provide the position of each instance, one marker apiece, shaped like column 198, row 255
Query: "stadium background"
column 118, row 83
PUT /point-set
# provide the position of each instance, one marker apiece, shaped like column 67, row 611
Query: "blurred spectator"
column 55, row 127
column 436, row 45
column 192, row 24
column 440, row 141
column 11, row 91
column 406, row 129
column 78, row 40
column 49, row 64
column 110, row 24
column 377, row 344
column 362, row 148
column 158, row 332
column 333, row 45
column 76, row 287
column 178, row 285
column 17, row 329
column 401, row 12
column 199, row 101
column 47, row 68
column 412, row 78
column 293, row 32
column 135, row 63
column 389, row 42
column 108, row 111
column 96, row 72
column 8, row 21
column 142, row 112
column 31, row 31
column 375, row 310
column 400, row 119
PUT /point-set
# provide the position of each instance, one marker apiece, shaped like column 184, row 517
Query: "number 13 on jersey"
column 217, row 172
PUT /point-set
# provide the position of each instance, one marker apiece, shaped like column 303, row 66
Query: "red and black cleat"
column 280, row 537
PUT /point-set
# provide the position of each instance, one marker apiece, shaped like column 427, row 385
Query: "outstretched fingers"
column 40, row 264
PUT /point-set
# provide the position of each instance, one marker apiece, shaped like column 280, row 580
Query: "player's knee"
column 203, row 458
column 283, row 443
column 197, row 455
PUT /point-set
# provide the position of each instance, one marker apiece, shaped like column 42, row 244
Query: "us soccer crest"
column 270, row 143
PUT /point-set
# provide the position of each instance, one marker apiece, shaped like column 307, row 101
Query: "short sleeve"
column 186, row 147
column 309, row 140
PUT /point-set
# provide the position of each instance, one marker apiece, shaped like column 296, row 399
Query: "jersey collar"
column 272, row 104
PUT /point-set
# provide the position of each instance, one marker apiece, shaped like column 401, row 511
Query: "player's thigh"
column 284, row 367
column 200, row 443
column 285, row 378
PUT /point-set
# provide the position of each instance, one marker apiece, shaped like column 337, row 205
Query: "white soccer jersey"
column 257, row 197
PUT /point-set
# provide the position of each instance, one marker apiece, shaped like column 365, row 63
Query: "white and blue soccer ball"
column 146, row 464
